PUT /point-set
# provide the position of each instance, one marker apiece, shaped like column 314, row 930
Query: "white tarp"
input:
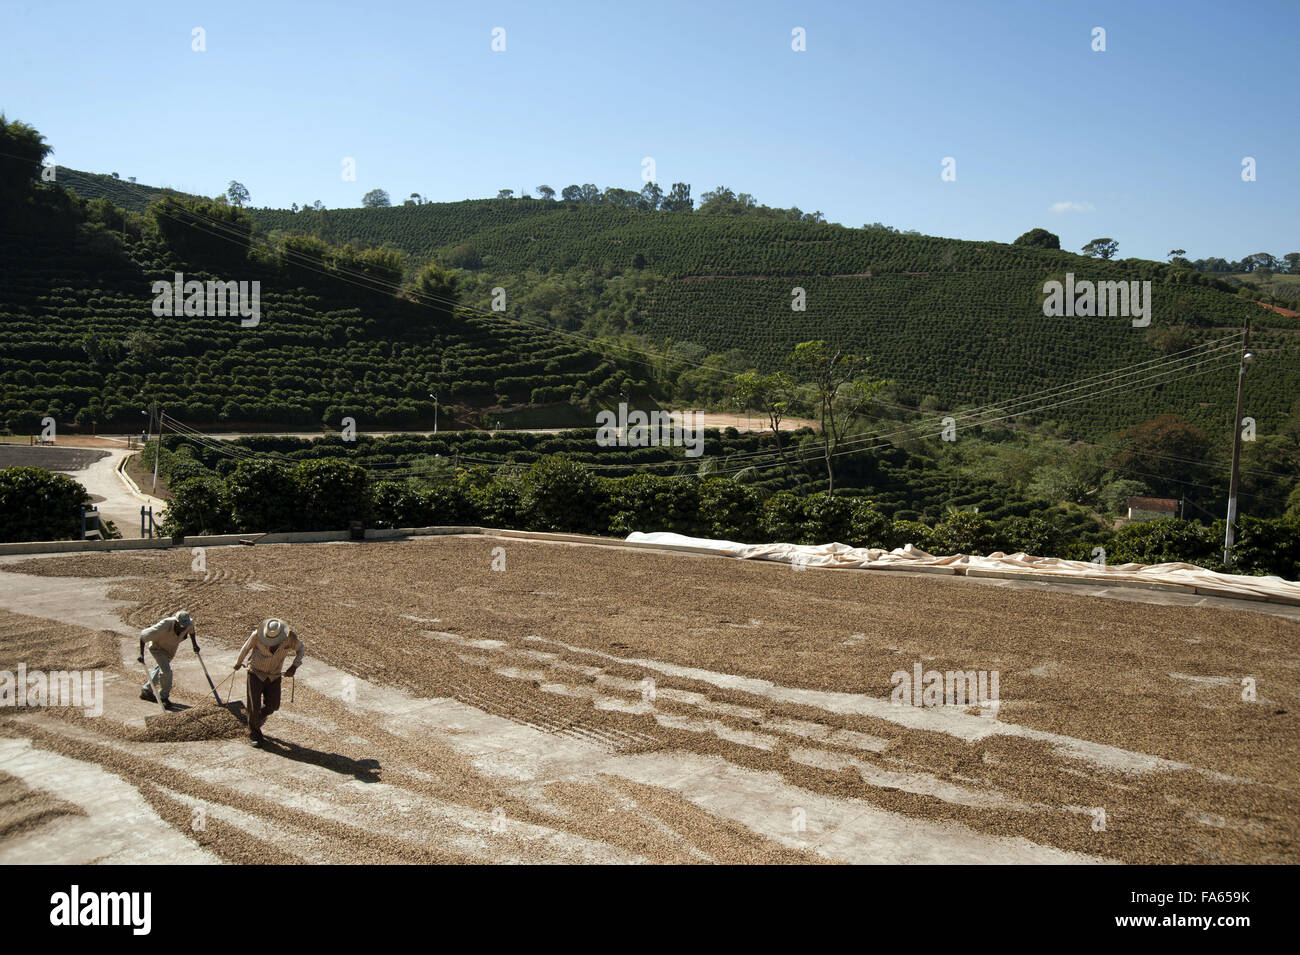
column 902, row 558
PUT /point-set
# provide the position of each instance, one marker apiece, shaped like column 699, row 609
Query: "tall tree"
column 1166, row 452
column 375, row 199
column 842, row 394
column 22, row 152
column 651, row 197
column 770, row 395
column 436, row 287
column 1101, row 248
column 1260, row 260
column 546, row 192
column 678, row 198
column 1039, row 239
column 621, row 198
column 237, row 193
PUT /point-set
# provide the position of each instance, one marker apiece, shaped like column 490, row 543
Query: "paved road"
column 96, row 470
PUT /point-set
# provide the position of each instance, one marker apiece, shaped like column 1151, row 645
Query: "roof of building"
column 1152, row 503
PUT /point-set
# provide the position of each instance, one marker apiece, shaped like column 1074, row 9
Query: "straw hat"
column 272, row 633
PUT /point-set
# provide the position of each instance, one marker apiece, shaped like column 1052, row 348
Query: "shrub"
column 39, row 505
column 827, row 518
column 263, row 496
column 920, row 536
column 1267, row 547
column 1030, row 535
column 561, row 495
column 965, row 532
column 1164, row 541
column 451, row 504
column 781, row 517
column 868, row 527
column 500, row 502
column 400, row 504
column 199, row 506
column 729, row 510
column 650, row 503
column 331, row 492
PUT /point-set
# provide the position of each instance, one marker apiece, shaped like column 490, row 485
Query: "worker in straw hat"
column 266, row 650
column 162, row 641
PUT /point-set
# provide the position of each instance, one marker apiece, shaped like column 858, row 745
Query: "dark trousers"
column 263, row 700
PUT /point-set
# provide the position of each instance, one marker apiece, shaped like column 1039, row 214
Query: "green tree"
column 1166, row 452
column 840, row 393
column 436, row 287
column 771, row 395
column 651, row 197
column 1101, row 248
column 678, row 198
column 141, row 346
column 375, row 199
column 546, row 192
column 464, row 256
column 1039, row 239
column 237, row 194
column 23, row 151
column 204, row 231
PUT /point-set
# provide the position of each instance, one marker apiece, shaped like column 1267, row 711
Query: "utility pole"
column 157, row 451
column 1246, row 358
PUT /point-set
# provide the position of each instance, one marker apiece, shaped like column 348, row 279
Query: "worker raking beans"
column 162, row 641
column 266, row 650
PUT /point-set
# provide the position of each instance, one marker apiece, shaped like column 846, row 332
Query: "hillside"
column 958, row 321
column 79, row 341
column 952, row 323
column 134, row 197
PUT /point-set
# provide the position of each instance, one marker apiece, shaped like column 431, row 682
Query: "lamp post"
column 1246, row 359
column 435, row 412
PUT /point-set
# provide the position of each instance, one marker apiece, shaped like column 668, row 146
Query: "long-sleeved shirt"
column 268, row 663
column 166, row 635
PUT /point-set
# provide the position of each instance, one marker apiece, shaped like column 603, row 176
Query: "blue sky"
column 1145, row 140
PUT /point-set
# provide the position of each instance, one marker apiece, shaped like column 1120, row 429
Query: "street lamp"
column 1246, row 359
column 435, row 412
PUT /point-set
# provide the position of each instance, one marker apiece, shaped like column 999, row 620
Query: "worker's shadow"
column 365, row 770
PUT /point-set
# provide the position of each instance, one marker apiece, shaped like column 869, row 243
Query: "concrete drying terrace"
column 611, row 704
